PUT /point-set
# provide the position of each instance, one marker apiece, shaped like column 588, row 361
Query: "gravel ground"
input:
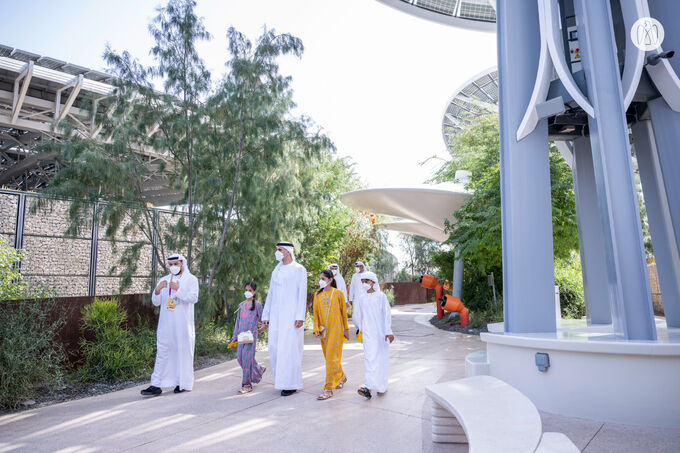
column 73, row 390
column 454, row 325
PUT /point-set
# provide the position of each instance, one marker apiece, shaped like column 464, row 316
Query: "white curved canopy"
column 425, row 209
column 417, row 228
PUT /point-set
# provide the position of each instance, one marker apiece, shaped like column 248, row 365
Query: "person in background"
column 330, row 325
column 372, row 315
column 284, row 314
column 248, row 315
column 342, row 286
column 176, row 294
column 355, row 288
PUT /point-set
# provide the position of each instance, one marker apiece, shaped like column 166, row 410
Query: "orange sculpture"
column 446, row 302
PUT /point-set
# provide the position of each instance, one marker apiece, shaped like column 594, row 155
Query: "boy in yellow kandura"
column 330, row 325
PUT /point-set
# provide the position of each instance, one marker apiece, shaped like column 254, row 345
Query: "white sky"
column 376, row 79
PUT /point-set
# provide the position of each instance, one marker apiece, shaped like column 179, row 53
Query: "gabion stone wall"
column 61, row 262
column 8, row 218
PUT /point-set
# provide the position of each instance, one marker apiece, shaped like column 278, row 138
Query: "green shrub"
column 569, row 279
column 29, row 355
column 115, row 352
column 212, row 339
column 389, row 293
column 480, row 318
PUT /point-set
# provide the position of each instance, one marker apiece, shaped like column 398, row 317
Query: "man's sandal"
column 342, row 383
column 325, row 395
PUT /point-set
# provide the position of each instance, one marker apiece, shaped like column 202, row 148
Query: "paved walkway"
column 214, row 418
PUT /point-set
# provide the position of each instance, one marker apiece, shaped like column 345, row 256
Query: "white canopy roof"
column 424, row 209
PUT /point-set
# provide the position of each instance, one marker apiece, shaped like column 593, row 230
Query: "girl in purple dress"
column 248, row 315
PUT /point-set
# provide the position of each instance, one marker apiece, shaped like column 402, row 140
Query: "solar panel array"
column 478, row 97
column 53, row 63
column 479, row 10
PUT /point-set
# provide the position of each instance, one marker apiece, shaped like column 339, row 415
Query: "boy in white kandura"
column 373, row 317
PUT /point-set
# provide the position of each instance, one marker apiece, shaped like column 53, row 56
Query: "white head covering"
column 372, row 277
column 359, row 263
column 179, row 257
column 288, row 246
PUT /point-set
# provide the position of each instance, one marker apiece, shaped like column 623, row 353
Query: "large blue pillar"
column 593, row 262
column 659, row 206
column 528, row 269
column 616, row 192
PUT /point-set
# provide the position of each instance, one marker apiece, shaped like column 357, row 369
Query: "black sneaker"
column 366, row 393
column 151, row 391
column 177, row 390
column 287, row 392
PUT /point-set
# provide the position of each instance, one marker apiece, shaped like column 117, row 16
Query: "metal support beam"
column 59, row 112
column 154, row 250
column 457, row 285
column 659, row 164
column 617, row 194
column 19, row 227
column 20, row 94
column 94, row 247
column 526, row 212
column 593, row 261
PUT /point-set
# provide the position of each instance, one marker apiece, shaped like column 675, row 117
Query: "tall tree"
column 256, row 180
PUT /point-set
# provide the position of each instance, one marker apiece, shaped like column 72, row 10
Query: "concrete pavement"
column 214, row 418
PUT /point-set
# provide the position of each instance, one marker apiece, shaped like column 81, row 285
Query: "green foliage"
column 384, row 263
column 114, row 352
column 568, row 277
column 477, row 232
column 389, row 293
column 212, row 340
column 11, row 284
column 419, row 254
column 30, row 355
column 480, row 318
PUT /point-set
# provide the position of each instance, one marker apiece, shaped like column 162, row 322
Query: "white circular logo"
column 647, row 33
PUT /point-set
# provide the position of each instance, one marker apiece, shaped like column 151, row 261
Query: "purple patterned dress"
column 245, row 354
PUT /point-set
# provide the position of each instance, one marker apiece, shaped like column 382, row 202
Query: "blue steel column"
column 654, row 147
column 457, row 287
column 666, row 127
column 617, row 197
column 528, row 269
column 593, row 262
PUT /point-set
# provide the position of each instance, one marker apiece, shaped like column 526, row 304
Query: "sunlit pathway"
column 214, row 418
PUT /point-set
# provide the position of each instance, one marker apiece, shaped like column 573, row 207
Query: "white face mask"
column 335, row 271
column 174, row 270
column 322, row 284
column 278, row 255
column 358, row 269
column 248, row 294
column 367, row 286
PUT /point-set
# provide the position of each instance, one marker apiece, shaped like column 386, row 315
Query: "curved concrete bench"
column 491, row 416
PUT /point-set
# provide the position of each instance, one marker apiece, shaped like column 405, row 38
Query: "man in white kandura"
column 284, row 314
column 355, row 288
column 373, row 317
column 342, row 286
column 176, row 294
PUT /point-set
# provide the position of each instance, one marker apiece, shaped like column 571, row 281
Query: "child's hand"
column 390, row 338
column 317, row 334
column 346, row 333
column 263, row 326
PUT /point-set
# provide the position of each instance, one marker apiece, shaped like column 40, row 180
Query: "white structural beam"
column 58, row 77
column 20, row 93
column 59, row 112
